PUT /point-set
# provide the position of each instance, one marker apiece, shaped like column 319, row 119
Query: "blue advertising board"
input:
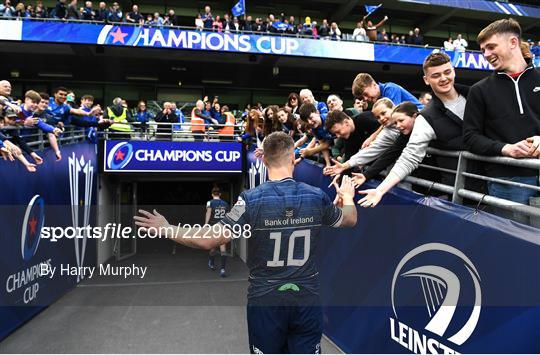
column 422, row 275
column 61, row 194
column 156, row 37
column 156, row 156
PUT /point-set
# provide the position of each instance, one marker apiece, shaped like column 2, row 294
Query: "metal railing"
column 177, row 132
column 458, row 192
column 37, row 139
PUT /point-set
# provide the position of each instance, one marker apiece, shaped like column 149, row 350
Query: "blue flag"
column 239, row 8
column 371, row 8
column 281, row 26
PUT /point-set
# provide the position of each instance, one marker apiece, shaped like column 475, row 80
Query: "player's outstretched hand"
column 150, row 220
column 259, row 153
column 346, row 190
column 372, row 198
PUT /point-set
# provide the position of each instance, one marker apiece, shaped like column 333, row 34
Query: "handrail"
column 458, row 190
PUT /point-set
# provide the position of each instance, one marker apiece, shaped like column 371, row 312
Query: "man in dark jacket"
column 502, row 117
column 166, row 115
column 60, row 10
column 102, row 12
column 439, row 125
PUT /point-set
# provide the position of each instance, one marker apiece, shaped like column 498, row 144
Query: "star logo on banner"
column 118, row 36
column 119, row 155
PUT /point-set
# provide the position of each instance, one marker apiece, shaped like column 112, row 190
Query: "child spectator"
column 365, row 87
column 322, row 140
column 404, row 115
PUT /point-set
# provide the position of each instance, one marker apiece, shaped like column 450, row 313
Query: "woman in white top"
column 449, row 45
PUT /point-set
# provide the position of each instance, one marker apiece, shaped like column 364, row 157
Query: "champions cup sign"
column 138, row 156
column 436, row 299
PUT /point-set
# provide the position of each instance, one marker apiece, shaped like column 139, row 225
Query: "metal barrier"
column 178, row 131
column 37, row 139
column 458, row 192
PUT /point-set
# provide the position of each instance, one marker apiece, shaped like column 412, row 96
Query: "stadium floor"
column 179, row 307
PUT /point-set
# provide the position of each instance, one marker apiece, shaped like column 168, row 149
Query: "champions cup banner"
column 137, row 36
column 421, row 275
column 60, row 194
column 143, row 156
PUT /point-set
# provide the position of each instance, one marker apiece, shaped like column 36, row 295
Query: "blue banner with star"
column 60, row 195
column 156, row 37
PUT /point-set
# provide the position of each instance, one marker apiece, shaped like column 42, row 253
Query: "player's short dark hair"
column 276, row 147
column 60, row 88
column 335, row 117
column 216, row 191
column 435, row 59
column 44, row 96
column 87, row 97
column 306, row 110
column 503, row 26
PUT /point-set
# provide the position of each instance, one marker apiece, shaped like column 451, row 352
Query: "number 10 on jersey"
column 291, row 261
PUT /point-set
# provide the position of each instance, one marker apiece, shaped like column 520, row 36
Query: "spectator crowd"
column 366, row 29
column 387, row 127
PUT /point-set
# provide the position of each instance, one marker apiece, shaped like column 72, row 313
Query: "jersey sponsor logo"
column 289, row 212
column 536, row 89
column 442, row 277
column 120, row 156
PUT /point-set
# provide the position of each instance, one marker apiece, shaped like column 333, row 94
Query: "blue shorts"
column 285, row 322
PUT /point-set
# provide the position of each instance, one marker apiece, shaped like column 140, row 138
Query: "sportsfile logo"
column 119, row 156
column 428, row 278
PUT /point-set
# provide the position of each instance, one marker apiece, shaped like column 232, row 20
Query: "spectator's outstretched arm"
column 381, row 22
column 384, row 140
column 408, row 161
column 78, row 111
column 301, row 141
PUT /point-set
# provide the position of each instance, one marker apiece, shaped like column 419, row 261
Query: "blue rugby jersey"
column 219, row 208
column 285, row 218
column 321, row 133
column 60, row 112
